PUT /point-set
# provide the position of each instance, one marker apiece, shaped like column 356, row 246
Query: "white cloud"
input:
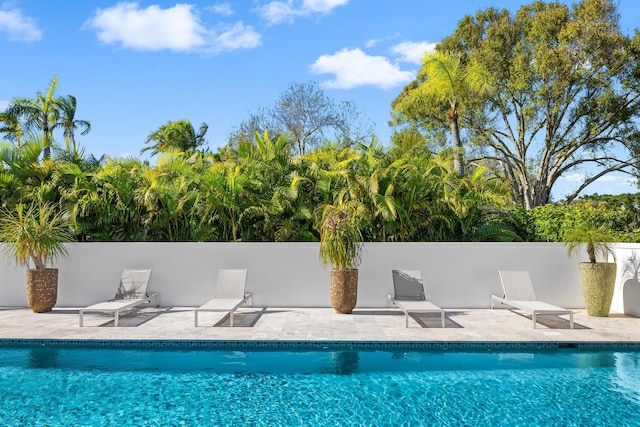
column 276, row 12
column 353, row 68
column 611, row 178
column 574, row 177
column 221, row 9
column 236, row 37
column 413, row 51
column 607, row 184
column 618, row 180
column 371, row 43
column 3, row 104
column 322, row 6
column 18, row 27
column 613, row 184
column 176, row 28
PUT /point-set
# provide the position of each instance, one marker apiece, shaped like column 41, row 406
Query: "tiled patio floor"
column 317, row 324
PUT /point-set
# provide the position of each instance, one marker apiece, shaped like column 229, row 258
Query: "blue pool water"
column 50, row 386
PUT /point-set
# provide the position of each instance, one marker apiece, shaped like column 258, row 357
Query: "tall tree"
column 67, row 112
column 442, row 88
column 11, row 126
column 42, row 112
column 564, row 95
column 178, row 135
column 308, row 117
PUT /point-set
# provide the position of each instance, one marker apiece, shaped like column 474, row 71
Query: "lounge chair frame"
column 225, row 301
column 128, row 296
column 418, row 305
column 527, row 301
column 115, row 307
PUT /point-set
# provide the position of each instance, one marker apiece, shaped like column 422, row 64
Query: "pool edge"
column 322, row 344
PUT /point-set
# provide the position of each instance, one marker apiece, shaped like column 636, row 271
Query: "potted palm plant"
column 598, row 278
column 341, row 247
column 35, row 234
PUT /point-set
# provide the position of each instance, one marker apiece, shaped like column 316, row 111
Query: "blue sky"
column 134, row 65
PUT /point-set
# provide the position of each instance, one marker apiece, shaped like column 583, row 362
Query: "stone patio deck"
column 317, row 324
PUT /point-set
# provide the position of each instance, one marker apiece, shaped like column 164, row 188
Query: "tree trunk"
column 458, row 163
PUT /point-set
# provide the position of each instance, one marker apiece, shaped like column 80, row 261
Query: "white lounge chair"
column 229, row 294
column 409, row 295
column 131, row 293
column 519, row 293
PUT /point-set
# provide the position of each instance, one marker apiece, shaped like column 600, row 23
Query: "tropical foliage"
column 620, row 214
column 44, row 114
column 262, row 192
column 340, row 237
column 179, row 135
column 596, row 241
column 34, row 233
column 525, row 98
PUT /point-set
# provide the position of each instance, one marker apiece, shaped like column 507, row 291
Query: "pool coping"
column 319, row 344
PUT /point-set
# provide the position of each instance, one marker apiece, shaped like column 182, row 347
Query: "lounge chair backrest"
column 517, row 285
column 133, row 284
column 230, row 284
column 407, row 285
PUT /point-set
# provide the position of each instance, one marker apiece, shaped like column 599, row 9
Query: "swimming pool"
column 68, row 386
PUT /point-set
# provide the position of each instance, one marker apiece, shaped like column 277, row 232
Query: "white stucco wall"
column 456, row 275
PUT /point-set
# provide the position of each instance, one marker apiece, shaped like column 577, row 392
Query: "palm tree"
column 474, row 202
column 375, row 175
column 11, row 126
column 42, row 112
column 332, row 172
column 179, row 135
column 105, row 207
column 418, row 196
column 281, row 209
column 443, row 80
column 168, row 195
column 67, row 107
column 22, row 176
column 226, row 192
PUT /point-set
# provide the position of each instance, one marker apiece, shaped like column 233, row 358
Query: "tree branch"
column 592, row 179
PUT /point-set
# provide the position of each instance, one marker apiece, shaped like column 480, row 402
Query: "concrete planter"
column 631, row 297
column 598, row 282
column 344, row 289
column 42, row 289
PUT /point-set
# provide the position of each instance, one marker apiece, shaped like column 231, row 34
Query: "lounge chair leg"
column 406, row 319
column 81, row 313
column 196, row 319
column 117, row 315
column 231, row 319
column 571, row 320
column 442, row 318
column 533, row 316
